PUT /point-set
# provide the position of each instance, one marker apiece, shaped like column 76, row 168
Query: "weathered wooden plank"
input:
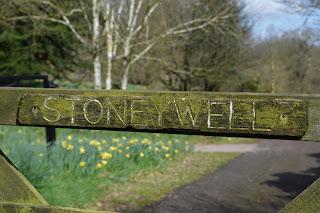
column 15, row 187
column 11, row 207
column 287, row 117
column 241, row 114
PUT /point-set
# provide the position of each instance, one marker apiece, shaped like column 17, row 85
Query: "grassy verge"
column 132, row 169
column 80, row 157
column 152, row 185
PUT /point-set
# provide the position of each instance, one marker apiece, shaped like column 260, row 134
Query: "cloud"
column 265, row 7
column 271, row 14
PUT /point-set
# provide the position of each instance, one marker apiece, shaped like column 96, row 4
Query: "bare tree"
column 130, row 28
column 203, row 59
column 120, row 29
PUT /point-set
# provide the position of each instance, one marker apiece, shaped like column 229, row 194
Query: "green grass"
column 128, row 181
column 80, row 154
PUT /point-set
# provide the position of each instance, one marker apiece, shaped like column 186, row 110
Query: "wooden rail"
column 202, row 113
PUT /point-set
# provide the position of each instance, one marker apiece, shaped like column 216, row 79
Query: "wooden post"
column 50, row 131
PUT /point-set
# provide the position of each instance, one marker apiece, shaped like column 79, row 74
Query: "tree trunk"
column 272, row 68
column 109, row 30
column 126, row 63
column 125, row 77
column 109, row 60
column 273, row 78
column 97, row 72
column 109, row 75
column 95, row 42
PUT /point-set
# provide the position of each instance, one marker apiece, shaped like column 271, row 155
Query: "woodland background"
column 157, row 45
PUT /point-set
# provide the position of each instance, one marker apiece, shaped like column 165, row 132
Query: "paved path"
column 240, row 148
column 260, row 181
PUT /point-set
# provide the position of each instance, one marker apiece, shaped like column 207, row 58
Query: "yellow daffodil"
column 112, row 148
column 69, row 137
column 99, row 165
column 120, row 151
column 167, row 155
column 156, row 149
column 94, row 143
column 141, row 154
column 176, row 151
column 166, row 148
column 105, row 155
column 82, row 150
column 115, row 140
column 82, row 164
column 99, row 148
column 104, row 141
column 69, row 147
column 104, row 162
column 127, row 155
column 146, row 141
column 132, row 141
column 64, row 144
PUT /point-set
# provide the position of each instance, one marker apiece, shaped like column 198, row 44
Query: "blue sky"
column 270, row 15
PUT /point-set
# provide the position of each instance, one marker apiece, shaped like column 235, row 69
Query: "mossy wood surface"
column 240, row 114
column 14, row 187
column 10, row 207
column 308, row 201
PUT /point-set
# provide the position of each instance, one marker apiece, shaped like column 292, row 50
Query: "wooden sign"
column 167, row 111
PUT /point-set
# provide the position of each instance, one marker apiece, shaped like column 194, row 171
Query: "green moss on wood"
column 149, row 111
column 15, row 187
column 11, row 207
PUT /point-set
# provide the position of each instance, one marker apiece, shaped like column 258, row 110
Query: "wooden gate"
column 295, row 117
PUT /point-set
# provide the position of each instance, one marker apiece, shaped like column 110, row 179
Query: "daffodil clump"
column 80, row 152
column 88, row 156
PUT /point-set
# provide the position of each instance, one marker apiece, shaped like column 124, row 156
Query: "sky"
column 273, row 17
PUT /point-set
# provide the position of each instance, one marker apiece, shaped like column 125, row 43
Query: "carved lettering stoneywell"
column 198, row 113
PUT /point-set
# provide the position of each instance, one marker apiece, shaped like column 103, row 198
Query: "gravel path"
column 240, row 148
column 262, row 180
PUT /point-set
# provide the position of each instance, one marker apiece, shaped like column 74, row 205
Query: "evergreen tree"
column 30, row 48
